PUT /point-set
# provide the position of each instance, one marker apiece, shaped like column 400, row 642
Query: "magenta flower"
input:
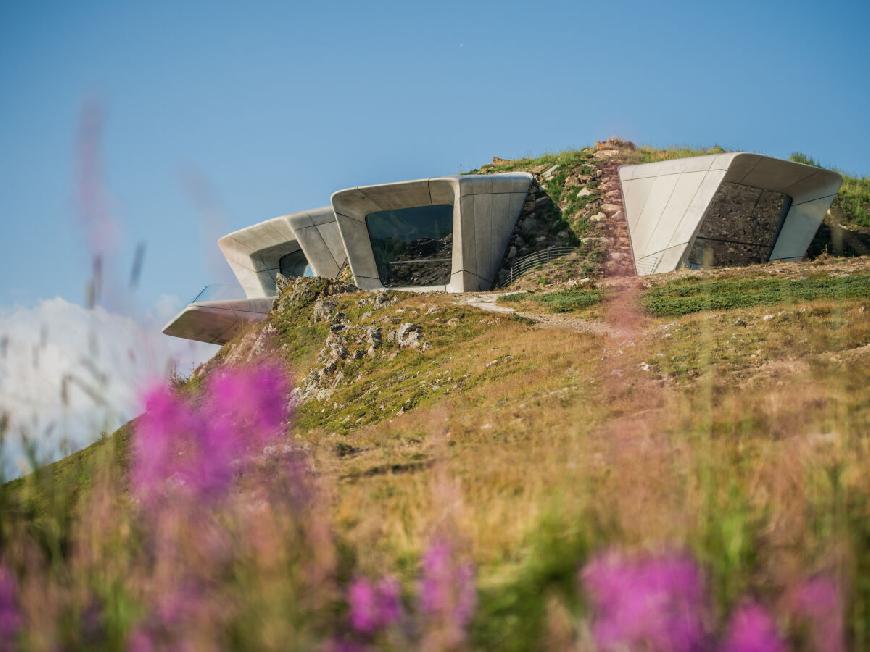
column 818, row 601
column 373, row 607
column 10, row 616
column 197, row 448
column 250, row 403
column 654, row 604
column 448, row 587
column 752, row 630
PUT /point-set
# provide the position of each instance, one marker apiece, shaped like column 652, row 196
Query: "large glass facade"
column 294, row 264
column 740, row 226
column 412, row 246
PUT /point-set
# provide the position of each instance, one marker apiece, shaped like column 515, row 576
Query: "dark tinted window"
column 294, row 264
column 412, row 246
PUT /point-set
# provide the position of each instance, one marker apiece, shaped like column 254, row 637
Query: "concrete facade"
column 217, row 322
column 485, row 209
column 685, row 210
column 254, row 253
column 725, row 209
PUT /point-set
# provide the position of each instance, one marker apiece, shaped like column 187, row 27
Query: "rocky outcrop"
column 347, row 342
column 609, row 155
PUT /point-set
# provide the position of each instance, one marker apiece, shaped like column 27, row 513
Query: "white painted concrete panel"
column 331, row 236
column 778, row 175
column 468, row 241
column 634, row 196
column 655, row 205
column 724, row 161
column 355, row 236
column 695, row 212
column 741, row 166
column 318, row 254
column 686, row 187
column 353, row 203
column 822, row 184
column 400, row 195
column 670, row 259
column 482, row 259
column 475, row 185
column 799, row 228
column 443, row 191
column 503, row 221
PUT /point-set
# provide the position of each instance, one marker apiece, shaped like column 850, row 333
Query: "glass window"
column 294, row 264
column 413, row 246
column 740, row 227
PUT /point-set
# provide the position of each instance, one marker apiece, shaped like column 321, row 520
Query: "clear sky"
column 219, row 115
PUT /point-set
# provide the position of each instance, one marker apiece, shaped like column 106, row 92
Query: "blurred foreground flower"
column 654, row 604
column 10, row 616
column 374, row 606
column 448, row 596
column 753, row 630
column 817, row 602
column 196, row 448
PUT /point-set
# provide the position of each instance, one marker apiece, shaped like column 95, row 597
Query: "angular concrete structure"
column 451, row 233
column 217, row 322
column 725, row 209
column 444, row 233
column 300, row 244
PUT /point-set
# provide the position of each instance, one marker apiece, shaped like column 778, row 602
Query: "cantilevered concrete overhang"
column 483, row 210
column 217, row 322
column 725, row 209
column 257, row 253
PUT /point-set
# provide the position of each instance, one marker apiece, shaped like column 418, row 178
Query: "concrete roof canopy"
column 668, row 206
column 254, row 253
column 485, row 210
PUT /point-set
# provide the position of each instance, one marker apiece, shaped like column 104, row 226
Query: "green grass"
column 852, row 204
column 646, row 154
column 558, row 301
column 686, row 296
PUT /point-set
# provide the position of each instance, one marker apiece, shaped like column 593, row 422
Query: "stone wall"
column 539, row 226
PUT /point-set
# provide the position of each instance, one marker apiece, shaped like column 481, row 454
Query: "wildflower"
column 198, row 448
column 10, row 616
column 373, row 606
column 653, row 604
column 247, row 407
column 158, row 444
column 752, row 630
column 818, row 601
column 448, row 587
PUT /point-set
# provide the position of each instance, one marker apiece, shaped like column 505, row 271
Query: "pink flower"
column 752, row 630
column 197, row 448
column 655, row 604
column 10, row 616
column 374, row 607
column 818, row 601
column 448, row 587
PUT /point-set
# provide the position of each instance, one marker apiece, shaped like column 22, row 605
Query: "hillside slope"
column 738, row 433
column 720, row 413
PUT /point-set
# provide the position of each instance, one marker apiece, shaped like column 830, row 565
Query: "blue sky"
column 269, row 107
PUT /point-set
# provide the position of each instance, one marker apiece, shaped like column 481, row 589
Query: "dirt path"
column 489, row 303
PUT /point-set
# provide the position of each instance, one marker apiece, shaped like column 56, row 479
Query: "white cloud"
column 68, row 373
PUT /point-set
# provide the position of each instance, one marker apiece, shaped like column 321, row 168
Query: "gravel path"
column 488, row 303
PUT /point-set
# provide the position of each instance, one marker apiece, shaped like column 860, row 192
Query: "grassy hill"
column 721, row 414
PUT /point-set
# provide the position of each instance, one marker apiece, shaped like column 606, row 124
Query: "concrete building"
column 445, row 233
column 721, row 210
column 300, row 244
column 451, row 233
